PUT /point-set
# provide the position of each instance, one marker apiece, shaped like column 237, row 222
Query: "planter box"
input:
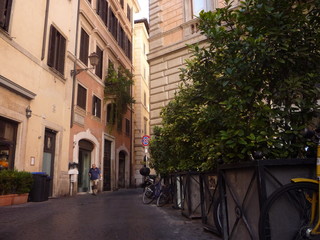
column 20, row 198
column 247, row 186
column 6, row 200
column 209, row 197
column 191, row 201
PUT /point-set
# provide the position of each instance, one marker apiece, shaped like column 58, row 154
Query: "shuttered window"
column 113, row 24
column 127, row 127
column 57, row 50
column 111, row 113
column 102, row 10
column 5, row 11
column 82, row 97
column 84, row 47
column 96, row 106
column 129, row 13
column 100, row 63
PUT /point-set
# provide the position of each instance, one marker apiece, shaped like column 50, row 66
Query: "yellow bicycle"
column 292, row 211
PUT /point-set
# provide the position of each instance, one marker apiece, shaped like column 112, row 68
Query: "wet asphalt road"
column 118, row 215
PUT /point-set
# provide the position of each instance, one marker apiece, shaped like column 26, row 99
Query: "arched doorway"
column 122, row 170
column 85, row 149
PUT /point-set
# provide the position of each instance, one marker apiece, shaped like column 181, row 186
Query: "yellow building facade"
column 52, row 115
column 173, row 26
column 142, row 97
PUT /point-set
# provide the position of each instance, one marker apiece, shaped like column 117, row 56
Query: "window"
column 145, row 99
column 96, row 106
column 111, row 113
column 84, row 47
column 121, row 38
column 127, row 127
column 100, row 63
column 8, row 136
column 119, row 124
column 113, row 24
column 5, row 11
column 122, row 3
column 82, row 97
column 102, row 10
column 57, row 49
column 128, row 12
column 199, row 5
column 145, row 121
column 129, row 49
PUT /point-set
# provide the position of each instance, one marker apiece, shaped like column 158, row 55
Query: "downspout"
column 132, row 132
column 74, row 67
column 44, row 39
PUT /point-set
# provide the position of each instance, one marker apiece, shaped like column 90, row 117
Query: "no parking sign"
column 145, row 140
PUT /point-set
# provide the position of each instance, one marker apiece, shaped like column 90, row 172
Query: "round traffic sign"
column 145, row 140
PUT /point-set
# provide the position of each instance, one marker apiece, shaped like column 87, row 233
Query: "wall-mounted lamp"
column 94, row 60
column 28, row 112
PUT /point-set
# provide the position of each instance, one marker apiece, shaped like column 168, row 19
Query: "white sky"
column 144, row 13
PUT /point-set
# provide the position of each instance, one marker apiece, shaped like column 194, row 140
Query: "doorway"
column 107, row 166
column 85, row 149
column 122, row 169
column 48, row 156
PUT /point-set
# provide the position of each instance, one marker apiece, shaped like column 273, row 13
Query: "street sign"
column 145, row 140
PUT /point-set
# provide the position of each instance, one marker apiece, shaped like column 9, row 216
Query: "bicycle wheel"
column 287, row 213
column 149, row 194
column 217, row 215
column 162, row 199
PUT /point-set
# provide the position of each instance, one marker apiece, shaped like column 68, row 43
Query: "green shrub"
column 13, row 181
column 24, row 182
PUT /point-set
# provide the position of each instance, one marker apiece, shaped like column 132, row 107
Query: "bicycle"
column 293, row 211
column 166, row 195
column 151, row 192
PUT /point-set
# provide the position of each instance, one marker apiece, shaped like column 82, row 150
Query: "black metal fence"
column 246, row 188
column 229, row 201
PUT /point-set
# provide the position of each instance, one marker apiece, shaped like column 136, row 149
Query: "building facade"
column 173, row 25
column 104, row 28
column 35, row 96
column 142, row 97
column 53, row 113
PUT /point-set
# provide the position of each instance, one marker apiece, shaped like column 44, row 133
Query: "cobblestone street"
column 119, row 215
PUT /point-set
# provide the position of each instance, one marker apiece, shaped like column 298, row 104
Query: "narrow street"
column 119, row 215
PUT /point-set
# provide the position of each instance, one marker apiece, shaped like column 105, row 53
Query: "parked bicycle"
column 151, row 192
column 166, row 195
column 293, row 211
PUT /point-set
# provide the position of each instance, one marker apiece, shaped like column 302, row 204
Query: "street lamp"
column 94, row 60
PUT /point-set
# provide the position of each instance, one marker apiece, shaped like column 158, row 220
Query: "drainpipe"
column 132, row 132
column 74, row 67
column 44, row 39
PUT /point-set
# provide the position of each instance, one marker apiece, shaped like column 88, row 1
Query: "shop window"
column 8, row 134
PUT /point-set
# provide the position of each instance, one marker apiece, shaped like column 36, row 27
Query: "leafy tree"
column 118, row 84
column 252, row 88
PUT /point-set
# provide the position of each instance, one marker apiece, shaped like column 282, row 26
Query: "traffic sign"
column 145, row 140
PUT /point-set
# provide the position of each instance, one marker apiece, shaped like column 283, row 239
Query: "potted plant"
column 7, row 187
column 24, row 181
column 14, row 187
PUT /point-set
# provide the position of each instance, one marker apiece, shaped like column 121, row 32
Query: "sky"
column 144, row 13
